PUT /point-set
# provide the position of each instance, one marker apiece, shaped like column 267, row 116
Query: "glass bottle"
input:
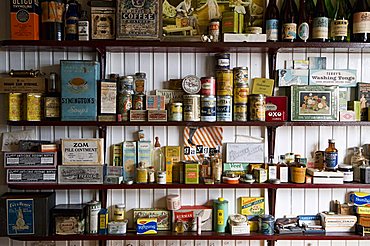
column 340, row 22
column 331, row 156
column 52, row 99
column 320, row 28
column 272, row 21
column 331, row 12
column 360, row 22
column 52, row 12
column 83, row 27
column 158, row 158
column 357, row 160
column 282, row 170
column 272, row 169
column 289, row 20
column 71, row 26
column 216, row 163
column 304, row 21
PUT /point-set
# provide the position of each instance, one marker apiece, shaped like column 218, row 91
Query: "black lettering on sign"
column 186, row 150
column 212, row 151
column 199, row 149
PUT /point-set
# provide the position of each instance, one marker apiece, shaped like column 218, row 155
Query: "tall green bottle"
column 320, row 29
column 340, row 22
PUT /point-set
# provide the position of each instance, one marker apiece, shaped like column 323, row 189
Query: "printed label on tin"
column 272, row 27
column 20, row 216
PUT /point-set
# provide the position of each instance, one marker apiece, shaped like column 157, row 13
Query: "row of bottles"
column 321, row 23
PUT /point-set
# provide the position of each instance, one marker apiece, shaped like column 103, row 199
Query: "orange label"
column 24, row 25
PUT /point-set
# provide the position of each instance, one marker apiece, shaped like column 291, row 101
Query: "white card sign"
column 340, row 77
column 245, row 152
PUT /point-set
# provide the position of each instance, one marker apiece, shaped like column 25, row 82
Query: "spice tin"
column 15, row 108
column 220, row 210
column 142, row 175
column 126, row 83
column 256, row 105
column 240, row 112
column 173, row 202
column 191, row 107
column 208, row 86
column 266, row 224
column 34, row 101
column 224, row 108
column 175, row 112
column 92, row 217
column 208, row 109
column 124, row 105
column 103, row 221
column 240, row 75
column 119, row 212
column 103, row 19
column 139, row 101
column 222, row 61
column 214, row 30
column 161, row 177
column 241, row 92
column 224, row 82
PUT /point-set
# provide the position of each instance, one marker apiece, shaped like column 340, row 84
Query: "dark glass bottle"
column 72, row 17
column 331, row 12
column 340, row 22
column 52, row 12
column 361, row 22
column 83, row 27
column 320, row 29
column 272, row 21
column 304, row 21
column 289, row 20
column 52, row 99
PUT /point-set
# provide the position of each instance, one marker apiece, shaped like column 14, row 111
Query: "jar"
column 347, row 172
column 298, row 174
column 173, row 202
column 161, row 177
column 266, row 224
column 119, row 212
column 140, row 82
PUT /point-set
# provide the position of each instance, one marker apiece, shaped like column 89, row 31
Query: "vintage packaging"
column 276, row 108
column 260, row 174
column 339, row 77
column 289, row 77
column 48, row 148
column 232, row 22
column 79, row 89
column 243, row 228
column 338, row 220
column 113, row 170
column 245, row 152
column 31, row 176
column 109, row 179
column 171, row 95
column 157, row 115
column 68, row 219
column 30, row 159
column 300, row 64
column 107, row 118
column 144, row 153
column 344, row 97
column 87, row 151
column 356, row 107
column 263, row 86
column 24, row 20
column 188, row 214
column 363, row 220
column 154, row 102
column 359, row 198
column 116, row 150
column 237, row 169
column 146, row 226
column 252, row 205
column 191, row 173
column 317, row 62
column 15, row 109
column 163, row 217
column 80, row 174
column 107, row 97
column 362, row 210
column 22, row 85
column 31, row 145
column 139, row 19
column 103, row 19
column 172, row 155
column 138, row 115
column 33, row 110
column 245, row 37
column 19, row 212
column 129, row 159
column 347, row 115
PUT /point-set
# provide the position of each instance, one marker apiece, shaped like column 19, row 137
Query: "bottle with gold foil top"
column 331, row 156
column 52, row 99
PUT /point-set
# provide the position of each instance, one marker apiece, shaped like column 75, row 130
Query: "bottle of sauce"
column 331, row 156
column 272, row 21
column 72, row 17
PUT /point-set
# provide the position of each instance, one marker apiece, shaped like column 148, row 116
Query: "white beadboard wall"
column 163, row 66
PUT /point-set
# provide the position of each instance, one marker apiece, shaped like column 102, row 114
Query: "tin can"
column 266, row 224
column 124, row 105
column 161, row 177
column 175, row 112
column 208, row 109
column 220, row 214
column 214, row 30
column 241, row 92
column 119, row 212
column 34, row 102
column 191, row 107
column 140, row 82
column 222, row 61
column 103, row 221
column 208, row 86
column 256, row 105
column 224, row 82
column 224, row 108
column 139, row 100
column 240, row 112
column 15, row 108
column 142, row 175
column 126, row 83
column 240, row 75
column 173, row 202
column 92, row 217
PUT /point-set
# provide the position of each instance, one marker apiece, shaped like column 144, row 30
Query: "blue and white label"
column 331, row 160
column 272, row 29
column 304, row 31
column 320, row 28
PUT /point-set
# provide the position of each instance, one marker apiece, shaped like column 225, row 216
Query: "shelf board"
column 327, row 236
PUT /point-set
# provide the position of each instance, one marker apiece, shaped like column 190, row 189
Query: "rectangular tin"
column 157, row 115
column 163, row 216
column 31, row 176
column 80, row 174
column 188, row 213
column 88, row 151
column 30, row 159
column 154, row 102
column 252, row 205
column 68, row 219
column 191, row 173
column 22, row 85
column 170, row 95
column 138, row 115
column 146, row 226
column 103, row 19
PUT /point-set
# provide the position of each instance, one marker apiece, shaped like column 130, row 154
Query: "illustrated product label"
column 108, row 91
column 331, row 160
column 272, row 172
column 320, row 28
column 272, row 29
column 304, row 31
column 52, row 11
column 52, row 107
column 220, row 217
column 289, row 31
column 361, row 22
column 340, row 28
column 20, row 216
column 71, row 28
column 83, row 30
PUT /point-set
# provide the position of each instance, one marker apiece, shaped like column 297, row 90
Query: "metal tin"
column 266, row 224
column 142, row 175
column 240, row 75
column 241, row 92
column 117, row 228
column 222, row 61
column 93, row 209
column 119, row 212
column 161, row 177
column 124, row 105
column 175, row 112
column 208, row 108
column 208, row 86
column 103, row 20
column 140, row 82
column 240, row 112
column 220, row 213
column 224, row 108
column 224, row 82
column 15, row 108
column 126, row 83
column 191, row 107
column 34, row 102
column 256, row 105
column 214, row 30
column 139, row 101
column 103, row 221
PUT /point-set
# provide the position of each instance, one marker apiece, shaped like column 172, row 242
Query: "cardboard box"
column 129, row 159
column 146, row 226
column 30, row 159
column 86, row 151
column 24, row 20
column 276, row 108
column 170, row 95
column 138, row 115
column 154, row 102
column 232, row 22
column 190, row 213
column 144, row 153
column 163, row 217
column 80, row 174
column 22, row 85
column 31, row 176
column 252, row 205
column 157, row 115
column 191, row 173
column 347, row 115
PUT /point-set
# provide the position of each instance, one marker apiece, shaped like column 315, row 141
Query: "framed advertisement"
column 314, row 103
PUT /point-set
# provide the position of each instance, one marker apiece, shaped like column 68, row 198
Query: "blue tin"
column 220, row 214
column 224, row 108
column 20, row 214
column 103, row 221
column 266, row 223
column 79, row 90
column 208, row 108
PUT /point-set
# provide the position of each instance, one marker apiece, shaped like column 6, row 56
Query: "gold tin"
column 34, row 102
column 256, row 105
column 191, row 107
column 15, row 107
column 240, row 112
column 240, row 75
column 224, row 80
column 241, row 93
column 142, row 175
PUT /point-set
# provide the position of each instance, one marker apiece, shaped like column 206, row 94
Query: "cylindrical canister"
column 103, row 221
column 139, row 102
column 240, row 112
column 224, row 80
column 191, row 107
column 142, row 175
column 241, row 92
column 161, row 177
column 173, row 202
column 34, row 102
column 15, row 108
column 208, row 109
column 256, row 107
column 93, row 209
column 124, row 105
column 175, row 111
column 220, row 214
column 224, row 108
column 214, row 30
column 240, row 75
column 208, row 86
column 222, row 61
column 119, row 212
column 266, row 224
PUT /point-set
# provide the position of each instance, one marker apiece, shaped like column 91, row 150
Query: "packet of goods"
column 360, row 198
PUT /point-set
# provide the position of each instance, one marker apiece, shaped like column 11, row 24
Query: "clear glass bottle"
column 357, row 160
column 158, row 157
column 272, row 168
column 282, row 170
column 331, row 156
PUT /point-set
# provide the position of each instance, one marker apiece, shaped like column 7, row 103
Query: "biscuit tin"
column 146, row 226
column 68, row 219
column 163, row 217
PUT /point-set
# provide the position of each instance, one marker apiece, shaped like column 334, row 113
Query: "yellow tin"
column 241, row 93
column 15, row 108
column 142, row 175
column 34, row 102
column 224, row 80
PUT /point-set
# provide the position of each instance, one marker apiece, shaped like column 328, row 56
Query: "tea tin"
column 256, row 105
column 224, row 108
column 208, row 108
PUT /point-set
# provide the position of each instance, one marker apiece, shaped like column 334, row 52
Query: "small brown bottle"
column 52, row 99
column 331, row 156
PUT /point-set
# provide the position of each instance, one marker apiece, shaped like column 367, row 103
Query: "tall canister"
column 220, row 214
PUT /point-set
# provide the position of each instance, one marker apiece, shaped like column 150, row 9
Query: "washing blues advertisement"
column 20, row 216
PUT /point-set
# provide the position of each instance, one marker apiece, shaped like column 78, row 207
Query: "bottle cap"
column 331, row 140
column 221, row 199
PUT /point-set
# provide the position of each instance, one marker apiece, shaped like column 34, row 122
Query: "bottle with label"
column 361, row 22
column 289, row 20
column 52, row 12
column 158, row 157
column 320, row 28
column 282, row 170
column 331, row 156
column 357, row 160
column 52, row 99
column 72, row 17
column 305, row 20
column 83, row 27
column 272, row 21
column 220, row 214
column 272, row 169
column 340, row 22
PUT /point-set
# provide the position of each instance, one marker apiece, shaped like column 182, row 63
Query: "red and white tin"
column 208, row 86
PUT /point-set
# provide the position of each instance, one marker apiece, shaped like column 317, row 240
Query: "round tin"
column 124, row 105
column 256, row 105
column 175, row 112
column 240, row 112
column 208, row 108
column 222, row 61
column 126, row 83
column 191, row 84
column 173, row 202
column 119, row 212
column 266, row 223
column 224, row 108
column 208, row 86
column 241, row 92
column 15, row 108
column 93, row 209
column 224, row 82
column 191, row 107
column 142, row 175
column 214, row 30
column 240, row 75
column 34, row 111
column 161, row 177
column 139, row 101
